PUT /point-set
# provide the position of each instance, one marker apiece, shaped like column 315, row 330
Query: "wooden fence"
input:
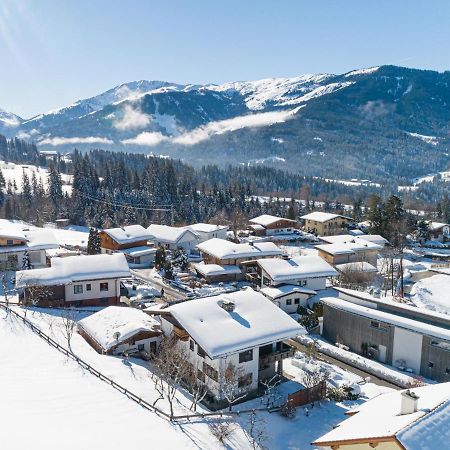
column 140, row 401
column 308, row 395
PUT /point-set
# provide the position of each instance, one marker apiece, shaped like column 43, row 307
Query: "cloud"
column 373, row 110
column 146, row 138
column 204, row 132
column 74, row 140
column 132, row 119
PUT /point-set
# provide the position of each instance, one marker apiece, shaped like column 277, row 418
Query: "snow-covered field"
column 14, row 172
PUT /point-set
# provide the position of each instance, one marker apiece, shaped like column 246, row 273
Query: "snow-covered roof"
column 362, row 266
column 75, row 268
column 380, row 418
column 255, row 321
column 171, row 235
column 206, row 227
column 319, row 216
column 103, row 325
column 135, row 252
column 128, row 234
column 33, row 239
column 266, row 219
column 352, row 239
column 216, row 269
column 11, row 232
column 392, row 319
column 434, row 226
column 287, row 289
column 223, row 249
column 300, row 267
column 345, row 247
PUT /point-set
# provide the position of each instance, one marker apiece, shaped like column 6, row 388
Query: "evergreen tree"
column 26, row 264
column 160, row 257
column 27, row 195
column 54, row 186
column 2, row 189
column 94, row 243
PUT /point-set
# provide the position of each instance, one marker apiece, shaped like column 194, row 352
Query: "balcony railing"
column 286, row 351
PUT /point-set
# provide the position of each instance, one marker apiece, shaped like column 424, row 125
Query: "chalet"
column 206, row 231
column 309, row 271
column 439, row 231
column 267, row 225
column 74, row 281
column 131, row 240
column 222, row 258
column 173, row 238
column 325, row 224
column 242, row 330
column 342, row 238
column 16, row 241
column 413, row 419
column 392, row 333
column 288, row 297
column 117, row 330
column 348, row 250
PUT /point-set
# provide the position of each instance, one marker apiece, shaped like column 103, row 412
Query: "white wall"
column 292, row 308
column 131, row 347
column 113, row 290
column 206, row 236
column 407, row 347
column 274, row 232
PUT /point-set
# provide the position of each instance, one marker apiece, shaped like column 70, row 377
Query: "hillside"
column 386, row 123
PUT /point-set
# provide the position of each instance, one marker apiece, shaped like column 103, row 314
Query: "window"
column 191, row 345
column 201, row 375
column 374, row 324
column 210, row 372
column 289, row 302
column 88, row 287
column 104, row 286
column 246, row 356
column 9, row 242
column 77, row 288
column 297, row 301
column 302, row 283
column 245, row 380
column 141, row 347
column 201, row 352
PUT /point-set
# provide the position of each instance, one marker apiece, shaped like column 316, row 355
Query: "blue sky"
column 54, row 52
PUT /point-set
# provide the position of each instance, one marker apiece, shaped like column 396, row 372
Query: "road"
column 170, row 293
column 336, row 362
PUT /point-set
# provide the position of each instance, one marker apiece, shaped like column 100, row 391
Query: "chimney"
column 228, row 305
column 408, row 402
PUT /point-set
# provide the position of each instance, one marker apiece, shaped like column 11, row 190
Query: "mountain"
column 8, row 121
column 381, row 123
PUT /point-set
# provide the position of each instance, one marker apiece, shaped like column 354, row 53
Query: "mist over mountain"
column 379, row 123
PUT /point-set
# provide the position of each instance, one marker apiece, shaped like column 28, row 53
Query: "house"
column 325, row 224
column 16, row 241
column 413, row 419
column 309, row 271
column 206, row 231
column 131, row 240
column 349, row 249
column 267, row 225
column 439, row 231
column 242, row 330
column 413, row 340
column 350, row 237
column 116, row 330
column 92, row 280
column 288, row 297
column 173, row 238
column 219, row 252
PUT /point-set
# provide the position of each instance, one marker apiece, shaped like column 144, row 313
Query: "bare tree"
column 68, row 325
column 170, row 366
column 5, row 292
column 35, row 295
column 238, row 221
column 222, row 429
column 229, row 385
column 313, row 377
column 256, row 430
column 269, row 389
column 197, row 388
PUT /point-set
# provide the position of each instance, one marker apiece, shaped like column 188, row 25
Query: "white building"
column 288, row 296
column 16, row 240
column 267, row 225
column 413, row 419
column 206, row 231
column 242, row 328
column 173, row 238
column 92, row 280
column 308, row 271
column 117, row 330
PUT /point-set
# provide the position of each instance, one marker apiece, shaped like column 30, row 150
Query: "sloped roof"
column 255, row 321
column 380, row 418
column 165, row 233
column 305, row 266
column 75, row 268
column 206, row 227
column 223, row 249
column 266, row 220
column 319, row 216
column 128, row 234
column 216, row 269
column 287, row 289
column 103, row 325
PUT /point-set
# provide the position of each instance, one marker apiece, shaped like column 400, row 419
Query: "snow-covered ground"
column 14, row 173
column 432, row 293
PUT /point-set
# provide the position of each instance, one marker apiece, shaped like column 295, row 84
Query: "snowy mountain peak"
column 8, row 119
